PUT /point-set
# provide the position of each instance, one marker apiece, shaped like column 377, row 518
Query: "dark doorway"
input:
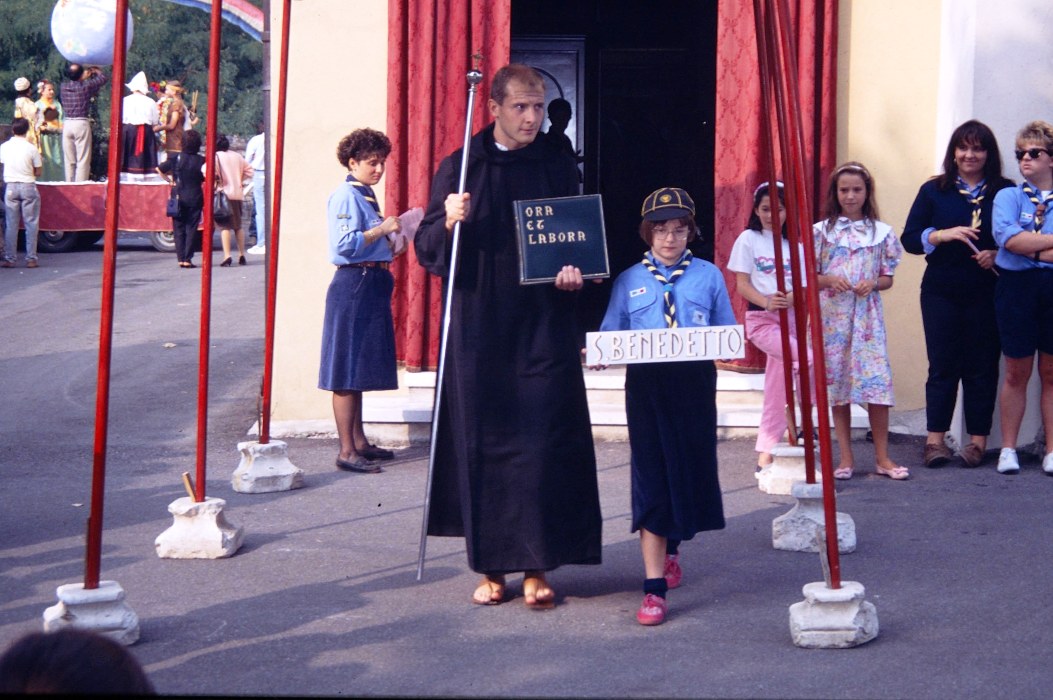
column 646, row 110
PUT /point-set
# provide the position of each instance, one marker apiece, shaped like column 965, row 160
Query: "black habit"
column 515, row 470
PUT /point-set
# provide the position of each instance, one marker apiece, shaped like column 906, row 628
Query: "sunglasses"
column 1033, row 152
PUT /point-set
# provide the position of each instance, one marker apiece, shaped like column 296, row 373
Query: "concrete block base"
column 831, row 618
column 798, row 530
column 199, row 531
column 265, row 468
column 101, row 610
column 786, row 469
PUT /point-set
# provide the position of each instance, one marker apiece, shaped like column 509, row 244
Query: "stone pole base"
column 265, row 468
column 199, row 531
column 101, row 610
column 798, row 530
column 831, row 618
column 786, row 469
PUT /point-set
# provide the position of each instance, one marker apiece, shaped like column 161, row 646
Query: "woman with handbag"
column 186, row 172
column 233, row 171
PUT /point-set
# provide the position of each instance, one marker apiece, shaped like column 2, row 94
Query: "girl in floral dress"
column 857, row 256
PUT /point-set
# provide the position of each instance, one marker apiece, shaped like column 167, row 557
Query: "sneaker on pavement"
column 673, row 573
column 1007, row 461
column 1047, row 463
column 652, row 610
column 257, row 250
column 32, row 263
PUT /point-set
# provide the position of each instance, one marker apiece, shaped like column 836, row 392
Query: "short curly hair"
column 362, row 143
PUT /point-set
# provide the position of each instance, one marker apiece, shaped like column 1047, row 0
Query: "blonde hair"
column 1037, row 130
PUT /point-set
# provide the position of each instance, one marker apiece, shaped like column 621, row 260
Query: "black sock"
column 672, row 547
column 655, row 586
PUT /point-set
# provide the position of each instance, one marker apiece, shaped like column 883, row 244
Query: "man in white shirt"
column 21, row 161
column 256, row 154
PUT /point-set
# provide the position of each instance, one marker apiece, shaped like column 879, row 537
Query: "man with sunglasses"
column 1023, row 229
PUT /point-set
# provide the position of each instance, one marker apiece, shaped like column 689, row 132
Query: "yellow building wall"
column 888, row 65
column 888, row 70
column 337, row 83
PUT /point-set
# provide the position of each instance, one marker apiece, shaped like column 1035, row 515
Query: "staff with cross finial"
column 474, row 77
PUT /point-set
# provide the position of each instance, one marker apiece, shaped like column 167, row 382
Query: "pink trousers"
column 763, row 330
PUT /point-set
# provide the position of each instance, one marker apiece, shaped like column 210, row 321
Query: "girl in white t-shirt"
column 753, row 262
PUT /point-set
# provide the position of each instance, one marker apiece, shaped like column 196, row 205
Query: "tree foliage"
column 170, row 41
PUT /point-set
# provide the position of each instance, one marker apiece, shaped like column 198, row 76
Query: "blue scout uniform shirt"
column 1013, row 213
column 700, row 296
column 349, row 215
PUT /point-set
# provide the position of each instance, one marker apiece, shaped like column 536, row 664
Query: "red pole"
column 790, row 128
column 773, row 199
column 798, row 226
column 93, row 550
column 272, row 243
column 212, row 113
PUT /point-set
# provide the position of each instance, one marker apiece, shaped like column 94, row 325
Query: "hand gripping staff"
column 475, row 77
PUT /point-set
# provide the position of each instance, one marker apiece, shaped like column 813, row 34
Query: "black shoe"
column 374, row 452
column 226, row 262
column 242, row 261
column 361, row 466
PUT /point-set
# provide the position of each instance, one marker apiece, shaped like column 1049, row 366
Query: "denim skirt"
column 358, row 336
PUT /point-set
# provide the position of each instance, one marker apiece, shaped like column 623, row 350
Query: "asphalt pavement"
column 322, row 598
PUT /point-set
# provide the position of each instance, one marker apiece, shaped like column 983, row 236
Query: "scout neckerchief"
column 974, row 196
column 366, row 191
column 667, row 284
column 1040, row 205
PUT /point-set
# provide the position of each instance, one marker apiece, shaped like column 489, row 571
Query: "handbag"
column 172, row 205
column 221, row 213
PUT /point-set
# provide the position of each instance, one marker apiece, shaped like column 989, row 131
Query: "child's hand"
column 594, row 368
column 779, row 300
column 838, row 284
column 865, row 287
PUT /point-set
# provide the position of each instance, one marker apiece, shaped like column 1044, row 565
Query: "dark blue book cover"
column 561, row 231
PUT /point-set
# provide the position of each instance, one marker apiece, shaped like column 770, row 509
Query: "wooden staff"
column 475, row 77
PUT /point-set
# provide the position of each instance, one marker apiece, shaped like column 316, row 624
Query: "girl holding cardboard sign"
column 675, row 489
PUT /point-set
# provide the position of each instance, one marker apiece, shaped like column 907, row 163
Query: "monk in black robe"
column 515, row 469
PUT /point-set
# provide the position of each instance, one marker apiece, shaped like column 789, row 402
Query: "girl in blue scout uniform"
column 358, row 335
column 1022, row 226
column 671, row 407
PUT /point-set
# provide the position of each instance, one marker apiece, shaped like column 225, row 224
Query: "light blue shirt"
column 700, row 297
column 349, row 216
column 1014, row 213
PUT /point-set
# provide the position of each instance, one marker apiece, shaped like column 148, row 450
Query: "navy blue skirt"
column 358, row 335
column 672, row 415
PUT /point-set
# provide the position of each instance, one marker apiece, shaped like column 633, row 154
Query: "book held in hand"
column 560, row 231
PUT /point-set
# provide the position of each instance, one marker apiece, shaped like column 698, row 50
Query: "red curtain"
column 430, row 47
column 740, row 161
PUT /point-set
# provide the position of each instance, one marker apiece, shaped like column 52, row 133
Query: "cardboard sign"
column 665, row 345
column 560, row 231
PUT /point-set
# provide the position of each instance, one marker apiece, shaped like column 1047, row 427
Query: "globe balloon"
column 83, row 30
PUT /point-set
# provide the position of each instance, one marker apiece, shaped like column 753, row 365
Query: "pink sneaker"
column 672, row 572
column 652, row 610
